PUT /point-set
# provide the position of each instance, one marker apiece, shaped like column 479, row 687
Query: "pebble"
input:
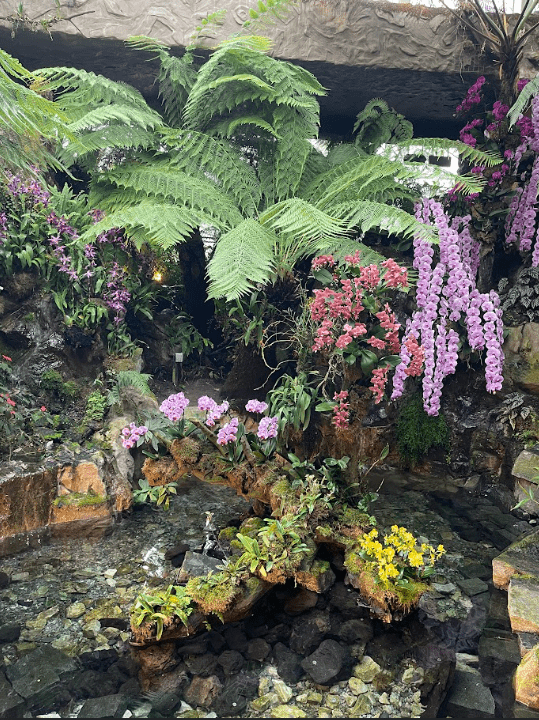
column 75, row 611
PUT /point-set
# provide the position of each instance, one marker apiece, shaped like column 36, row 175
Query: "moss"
column 417, row 432
column 236, row 545
column 213, row 595
column 324, row 531
column 353, row 563
column 319, row 567
column 228, row 534
column 79, row 499
column 186, row 450
column 251, row 526
column 354, row 518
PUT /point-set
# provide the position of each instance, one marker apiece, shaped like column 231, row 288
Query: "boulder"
column 520, row 558
column 523, row 604
column 38, row 677
column 525, row 474
column 326, row 662
column 526, row 681
column 203, row 691
column 469, row 697
column 107, row 706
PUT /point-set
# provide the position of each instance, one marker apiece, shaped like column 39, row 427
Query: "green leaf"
column 325, row 406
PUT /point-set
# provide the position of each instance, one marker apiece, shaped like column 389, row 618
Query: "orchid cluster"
column 446, row 296
column 521, row 221
column 132, row 434
column 341, row 412
column 354, row 296
column 473, row 96
column 227, row 434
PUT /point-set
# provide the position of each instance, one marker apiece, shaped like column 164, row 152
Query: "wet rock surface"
column 73, row 599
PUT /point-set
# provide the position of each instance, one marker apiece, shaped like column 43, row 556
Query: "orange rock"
column 82, row 478
column 161, row 472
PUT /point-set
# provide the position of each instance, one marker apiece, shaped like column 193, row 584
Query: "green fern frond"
column 91, row 88
column 315, row 164
column 369, row 215
column 200, row 154
column 125, row 114
column 442, row 147
column 521, row 103
column 298, row 218
column 156, row 224
column 242, row 258
column 378, row 124
column 291, row 151
column 227, row 128
column 343, row 152
column 113, row 136
column 164, row 182
column 176, row 78
column 146, row 44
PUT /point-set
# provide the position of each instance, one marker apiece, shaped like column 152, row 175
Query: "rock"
column 4, row 580
column 235, row 696
column 499, row 656
column 325, row 662
column 10, row 632
column 362, row 706
column 526, row 680
column 526, row 642
column 525, row 474
column 521, row 558
column 345, row 600
column 169, row 682
column 257, row 650
column 203, row 691
column 155, row 660
column 367, row 670
column 235, row 638
column 283, row 692
column 523, row 604
column 288, row 663
column 76, row 610
column 197, row 565
column 301, row 601
column 356, row 630
column 309, row 631
column 438, row 665
column 287, row 711
column 108, row 706
column 37, row 677
column 469, row 697
column 231, row 661
column 11, row 704
column 204, row 665
column 472, row 586
column 357, row 686
column 319, row 578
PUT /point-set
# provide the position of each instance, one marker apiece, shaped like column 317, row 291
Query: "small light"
column 157, row 276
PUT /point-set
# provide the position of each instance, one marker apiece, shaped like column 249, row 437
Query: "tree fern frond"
column 226, row 128
column 105, row 114
column 296, row 217
column 112, row 136
column 176, row 78
column 147, row 44
column 157, row 224
column 368, row 215
column 343, row 152
column 197, row 153
column 91, row 88
column 243, row 257
column 378, row 124
column 160, row 180
column 315, row 164
column 521, row 103
column 442, row 147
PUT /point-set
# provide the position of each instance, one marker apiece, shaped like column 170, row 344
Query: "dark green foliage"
column 55, row 388
column 417, row 432
column 96, row 405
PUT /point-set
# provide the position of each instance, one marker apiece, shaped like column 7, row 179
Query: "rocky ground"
column 64, row 639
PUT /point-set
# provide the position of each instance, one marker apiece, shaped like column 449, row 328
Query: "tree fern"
column 378, row 124
column 267, row 12
column 242, row 258
column 298, row 218
column 27, row 120
column 129, row 378
column 158, row 225
column 167, row 183
column 368, row 215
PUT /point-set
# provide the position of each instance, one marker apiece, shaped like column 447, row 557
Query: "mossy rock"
column 79, row 500
column 213, row 595
column 251, row 527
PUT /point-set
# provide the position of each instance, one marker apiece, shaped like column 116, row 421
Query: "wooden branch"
column 208, row 433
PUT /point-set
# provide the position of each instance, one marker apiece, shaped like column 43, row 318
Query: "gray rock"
column 9, row 632
column 472, row 586
column 197, row 565
column 11, row 704
column 308, row 632
column 499, row 656
column 108, row 706
column 325, row 662
column 288, row 663
column 356, row 630
column 258, row 650
column 37, row 677
column 231, row 661
column 469, row 697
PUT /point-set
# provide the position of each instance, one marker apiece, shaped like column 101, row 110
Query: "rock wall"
column 416, row 58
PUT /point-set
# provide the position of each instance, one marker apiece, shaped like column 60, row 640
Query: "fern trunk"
column 194, row 295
